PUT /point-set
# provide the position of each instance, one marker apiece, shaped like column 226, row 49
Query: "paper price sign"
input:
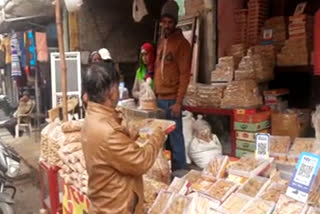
column 304, row 177
column 262, row 146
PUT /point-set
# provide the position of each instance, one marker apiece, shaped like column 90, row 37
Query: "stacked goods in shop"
column 73, row 168
column 257, row 14
column 279, row 30
column 201, row 95
column 292, row 122
column 298, row 47
column 247, row 124
column 54, row 138
column 238, row 51
column 276, row 99
column 44, row 144
column 246, row 69
column 241, row 94
column 264, row 58
column 241, row 19
column 224, row 71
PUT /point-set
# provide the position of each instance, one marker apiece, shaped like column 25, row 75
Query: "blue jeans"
column 175, row 139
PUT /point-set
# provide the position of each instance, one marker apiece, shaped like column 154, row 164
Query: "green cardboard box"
column 246, row 145
column 240, row 153
column 252, row 127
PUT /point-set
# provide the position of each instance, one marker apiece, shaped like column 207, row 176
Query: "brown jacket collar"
column 103, row 110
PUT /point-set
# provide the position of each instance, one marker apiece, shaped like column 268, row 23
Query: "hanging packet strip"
column 15, row 53
column 32, row 49
column 304, row 177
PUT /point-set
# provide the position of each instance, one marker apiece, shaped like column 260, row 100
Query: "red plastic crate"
column 50, row 188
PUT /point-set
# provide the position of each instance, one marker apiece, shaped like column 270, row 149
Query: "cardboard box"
column 253, row 118
column 249, row 136
column 252, row 127
column 294, row 124
column 246, row 145
column 240, row 153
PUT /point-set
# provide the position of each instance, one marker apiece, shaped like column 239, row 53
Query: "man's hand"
column 176, row 110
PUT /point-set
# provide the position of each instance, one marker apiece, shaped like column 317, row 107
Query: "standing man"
column 115, row 163
column 172, row 77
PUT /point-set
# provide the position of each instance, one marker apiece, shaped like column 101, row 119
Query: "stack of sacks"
column 73, row 168
column 224, row 70
column 242, row 94
column 278, row 25
column 246, row 69
column 298, row 47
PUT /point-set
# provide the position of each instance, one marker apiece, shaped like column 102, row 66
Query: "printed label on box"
column 262, row 146
column 303, row 177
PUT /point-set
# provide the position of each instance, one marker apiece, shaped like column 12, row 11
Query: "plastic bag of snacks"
column 72, row 126
column 201, row 152
column 160, row 171
column 147, row 98
column 202, row 129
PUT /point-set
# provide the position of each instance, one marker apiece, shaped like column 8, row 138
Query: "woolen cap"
column 170, row 9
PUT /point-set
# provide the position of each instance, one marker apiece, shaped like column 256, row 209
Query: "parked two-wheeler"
column 9, row 169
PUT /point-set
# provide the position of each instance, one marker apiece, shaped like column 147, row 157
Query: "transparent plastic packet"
column 179, row 186
column 203, row 183
column 201, row 203
column 178, row 204
column 273, row 192
column 147, row 98
column 279, row 147
column 300, row 145
column 249, row 166
column 221, row 190
column 313, row 210
column 234, row 203
column 258, row 206
column 202, row 129
column 72, row 126
column 217, row 166
column 161, row 202
column 192, row 176
column 160, row 170
column 287, row 205
column 254, row 185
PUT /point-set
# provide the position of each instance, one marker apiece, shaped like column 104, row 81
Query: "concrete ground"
column 27, row 200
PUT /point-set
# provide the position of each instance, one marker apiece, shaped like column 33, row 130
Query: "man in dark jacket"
column 172, row 77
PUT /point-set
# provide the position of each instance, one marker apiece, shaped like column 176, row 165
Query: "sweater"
column 173, row 67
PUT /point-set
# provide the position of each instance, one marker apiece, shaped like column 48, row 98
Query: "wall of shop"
column 226, row 24
column 110, row 24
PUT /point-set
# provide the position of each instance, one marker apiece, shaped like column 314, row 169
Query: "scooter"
column 9, row 169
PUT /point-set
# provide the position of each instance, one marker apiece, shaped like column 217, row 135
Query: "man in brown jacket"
column 115, row 163
column 172, row 77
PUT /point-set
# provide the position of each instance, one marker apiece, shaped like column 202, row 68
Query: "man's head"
column 169, row 17
column 94, row 57
column 25, row 96
column 101, row 82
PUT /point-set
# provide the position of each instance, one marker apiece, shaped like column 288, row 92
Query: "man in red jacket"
column 172, row 77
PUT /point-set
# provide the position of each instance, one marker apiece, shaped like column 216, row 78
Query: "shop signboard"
column 304, row 177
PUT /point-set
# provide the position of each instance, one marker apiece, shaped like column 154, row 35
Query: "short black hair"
column 98, row 80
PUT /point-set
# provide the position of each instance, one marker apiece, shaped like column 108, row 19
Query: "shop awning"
column 21, row 14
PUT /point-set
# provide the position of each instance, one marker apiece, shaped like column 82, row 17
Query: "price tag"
column 262, row 146
column 304, row 177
